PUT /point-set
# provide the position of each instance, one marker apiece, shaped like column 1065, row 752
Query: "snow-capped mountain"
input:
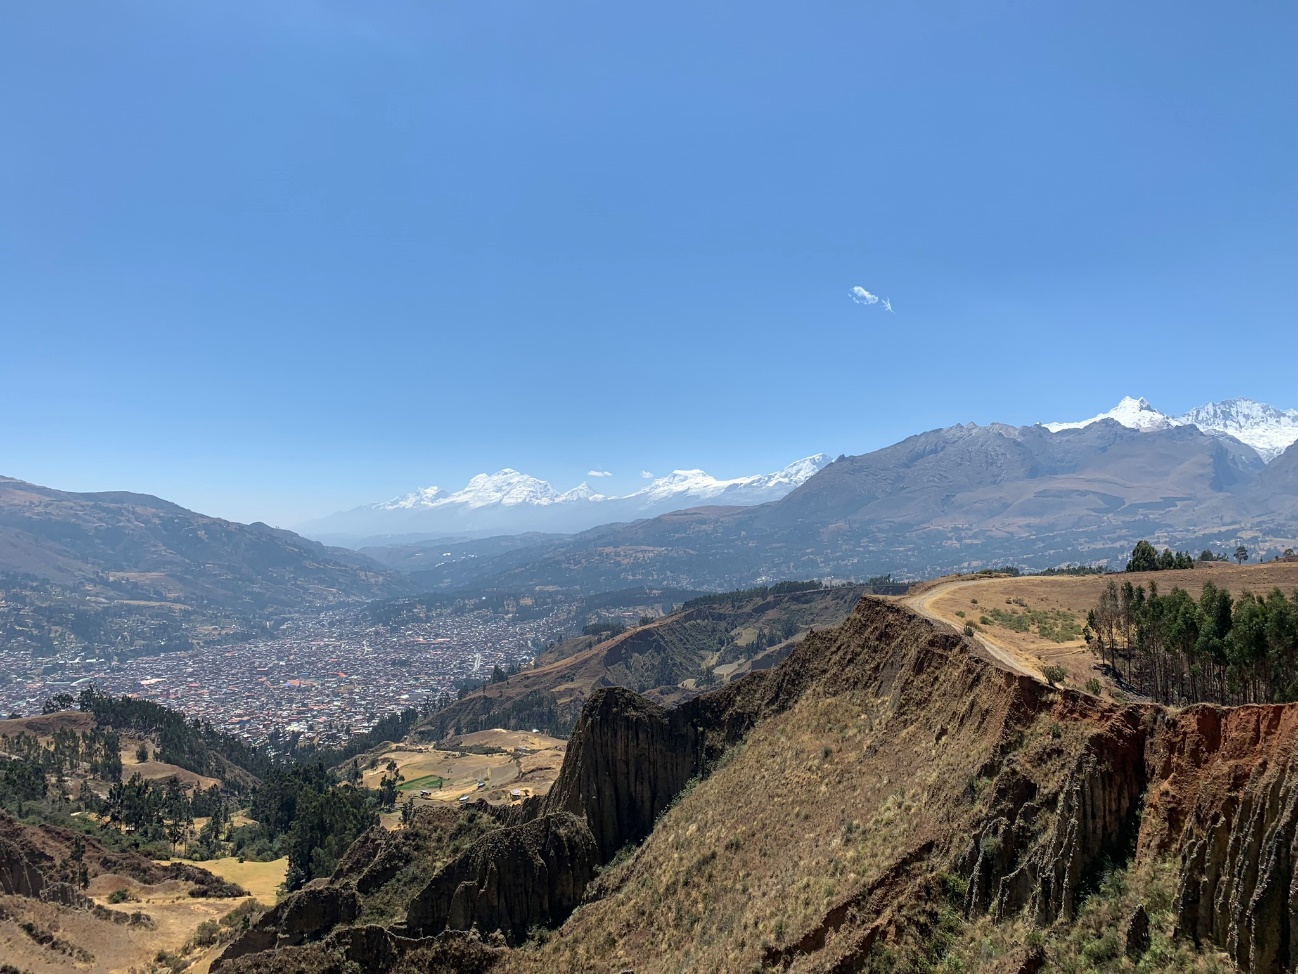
column 507, row 487
column 1136, row 414
column 1266, row 429
column 697, row 485
column 509, row 502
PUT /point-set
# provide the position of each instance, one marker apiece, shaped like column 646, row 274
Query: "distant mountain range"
column 138, row 549
column 1266, row 429
column 963, row 497
column 510, row 502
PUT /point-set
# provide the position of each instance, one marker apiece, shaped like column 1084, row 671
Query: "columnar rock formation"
column 511, row 880
column 305, row 916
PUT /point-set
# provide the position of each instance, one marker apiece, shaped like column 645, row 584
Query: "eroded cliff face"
column 307, row 915
column 1042, row 838
column 629, row 759
column 511, row 880
column 1061, row 783
column 1225, row 795
column 880, row 766
column 19, row 873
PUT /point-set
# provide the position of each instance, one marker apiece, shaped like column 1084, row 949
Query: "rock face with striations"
column 1227, row 798
column 627, row 760
column 1217, row 786
column 510, row 880
column 302, row 917
column 19, row 876
column 1039, row 849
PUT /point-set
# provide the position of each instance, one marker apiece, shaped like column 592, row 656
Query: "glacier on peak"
column 1268, row 430
column 582, row 492
column 507, row 487
column 698, row 484
column 510, row 488
column 1136, row 414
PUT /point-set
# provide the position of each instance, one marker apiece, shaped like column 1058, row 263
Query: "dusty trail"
column 999, row 652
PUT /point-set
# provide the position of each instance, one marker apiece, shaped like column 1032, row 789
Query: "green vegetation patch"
column 427, row 781
column 1056, row 625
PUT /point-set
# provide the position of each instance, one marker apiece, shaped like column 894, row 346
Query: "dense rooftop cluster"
column 325, row 677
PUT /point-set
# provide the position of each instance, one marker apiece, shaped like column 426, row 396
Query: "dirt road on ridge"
column 999, row 652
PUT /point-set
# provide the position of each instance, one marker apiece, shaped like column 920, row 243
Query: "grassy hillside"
column 1040, row 619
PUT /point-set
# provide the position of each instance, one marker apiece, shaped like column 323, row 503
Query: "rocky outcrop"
column 1226, row 797
column 19, row 875
column 307, row 915
column 1040, row 850
column 626, row 761
column 510, row 880
column 1217, row 787
column 373, row 950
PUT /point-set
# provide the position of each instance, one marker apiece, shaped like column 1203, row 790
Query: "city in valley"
column 324, row 677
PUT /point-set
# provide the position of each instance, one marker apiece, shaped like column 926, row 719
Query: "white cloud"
column 598, row 473
column 861, row 296
column 646, row 475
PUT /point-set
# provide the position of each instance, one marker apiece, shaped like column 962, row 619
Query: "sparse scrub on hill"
column 716, row 893
column 1093, row 943
column 745, row 594
column 1074, row 570
column 1054, row 675
column 1012, row 570
column 1056, row 625
column 604, row 628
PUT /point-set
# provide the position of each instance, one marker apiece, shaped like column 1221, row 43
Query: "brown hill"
column 134, row 546
column 49, row 923
column 883, row 800
column 669, row 659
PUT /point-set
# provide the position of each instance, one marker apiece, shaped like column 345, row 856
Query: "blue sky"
column 272, row 260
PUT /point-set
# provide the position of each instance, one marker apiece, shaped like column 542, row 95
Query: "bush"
column 240, row 918
column 1054, row 674
column 207, row 933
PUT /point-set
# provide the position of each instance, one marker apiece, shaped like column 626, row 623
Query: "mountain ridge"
column 961, row 498
column 1268, row 430
column 117, row 543
column 509, row 501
